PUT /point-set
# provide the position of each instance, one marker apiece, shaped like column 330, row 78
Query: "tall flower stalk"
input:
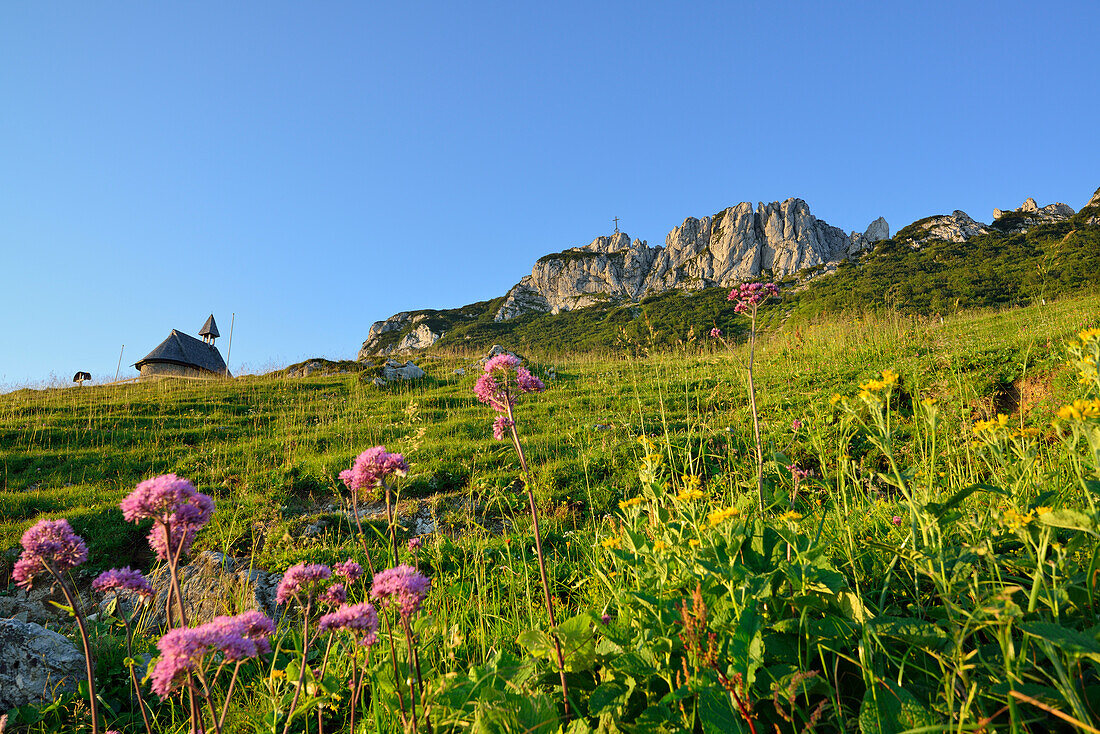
column 371, row 469
column 133, row 582
column 51, row 546
column 749, row 298
column 499, row 386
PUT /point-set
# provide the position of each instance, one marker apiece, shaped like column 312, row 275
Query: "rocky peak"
column 737, row 244
column 1029, row 215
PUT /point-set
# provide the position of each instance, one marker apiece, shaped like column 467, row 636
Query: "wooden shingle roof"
column 209, row 328
column 186, row 350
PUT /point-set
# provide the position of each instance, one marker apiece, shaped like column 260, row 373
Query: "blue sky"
column 314, row 167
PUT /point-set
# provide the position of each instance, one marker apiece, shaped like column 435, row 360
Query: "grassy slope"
column 269, row 449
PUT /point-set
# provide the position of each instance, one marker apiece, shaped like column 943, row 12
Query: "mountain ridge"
column 780, row 240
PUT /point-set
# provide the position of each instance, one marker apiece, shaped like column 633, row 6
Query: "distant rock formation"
column 735, row 245
column 1029, row 215
column 954, row 227
column 418, row 338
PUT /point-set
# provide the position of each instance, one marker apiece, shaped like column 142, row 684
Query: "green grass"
column 268, row 449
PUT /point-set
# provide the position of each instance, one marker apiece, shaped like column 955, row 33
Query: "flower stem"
column 756, row 417
column 88, row 664
column 542, row 558
column 302, row 670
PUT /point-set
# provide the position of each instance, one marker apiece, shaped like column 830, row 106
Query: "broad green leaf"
column 1067, row 640
column 1070, row 520
column 892, row 710
column 608, row 697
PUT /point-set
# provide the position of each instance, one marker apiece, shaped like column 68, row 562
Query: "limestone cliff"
column 737, row 244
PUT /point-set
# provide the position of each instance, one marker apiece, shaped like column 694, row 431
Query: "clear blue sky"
column 317, row 166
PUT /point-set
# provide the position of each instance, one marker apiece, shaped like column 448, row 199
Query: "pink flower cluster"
column 372, row 467
column 123, row 579
column 402, row 586
column 177, row 509
column 500, row 384
column 798, row 473
column 301, row 580
column 361, row 619
column 334, row 595
column 182, row 650
column 749, row 295
column 50, row 542
column 716, row 333
column 349, row 569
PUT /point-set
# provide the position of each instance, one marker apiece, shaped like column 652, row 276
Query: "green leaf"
column 892, row 710
column 717, row 715
column 537, row 643
column 1070, row 520
column 1067, row 640
column 611, row 695
column 578, row 642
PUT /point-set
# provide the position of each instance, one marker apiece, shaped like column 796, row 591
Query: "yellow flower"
column 835, row 398
column 1079, row 410
column 1014, row 520
column 1042, row 511
column 791, row 516
column 630, row 502
column 687, row 495
column 691, row 480
column 659, row 545
column 889, row 377
column 693, row 543
column 612, row 542
column 647, row 442
column 276, row 674
column 720, row 516
column 929, row 402
column 654, row 459
column 1088, row 334
column 992, row 424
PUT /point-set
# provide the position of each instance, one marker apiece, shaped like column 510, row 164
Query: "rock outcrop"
column 735, row 245
column 394, row 370
column 414, row 340
column 954, row 227
column 1094, row 210
column 212, row 584
column 1029, row 215
column 35, row 664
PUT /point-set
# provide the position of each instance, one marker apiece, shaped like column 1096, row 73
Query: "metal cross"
column 616, row 224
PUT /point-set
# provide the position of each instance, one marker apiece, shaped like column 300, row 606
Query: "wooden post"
column 119, row 361
column 229, row 350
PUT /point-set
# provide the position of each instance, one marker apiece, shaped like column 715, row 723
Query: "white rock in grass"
column 35, row 664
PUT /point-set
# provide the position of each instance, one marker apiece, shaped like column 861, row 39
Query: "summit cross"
column 616, row 224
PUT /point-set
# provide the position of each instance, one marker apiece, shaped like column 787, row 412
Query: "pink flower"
column 334, row 595
column 503, row 380
column 359, row 618
column 796, row 424
column 798, row 473
column 301, row 579
column 501, row 426
column 349, row 569
column 182, row 649
column 177, row 509
column 372, row 467
column 50, row 542
column 716, row 333
column 415, row 544
column 402, row 586
column 123, row 579
column 896, row 519
column 528, row 382
column 750, row 295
